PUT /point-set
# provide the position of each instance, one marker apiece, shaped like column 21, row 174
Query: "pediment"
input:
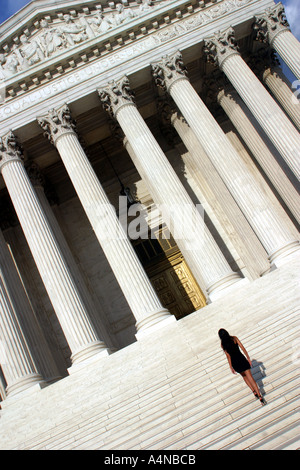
column 44, row 30
column 52, row 39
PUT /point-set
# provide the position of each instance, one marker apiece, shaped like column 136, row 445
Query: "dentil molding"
column 56, row 45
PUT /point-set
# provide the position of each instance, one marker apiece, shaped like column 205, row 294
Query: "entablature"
column 54, row 42
column 64, row 73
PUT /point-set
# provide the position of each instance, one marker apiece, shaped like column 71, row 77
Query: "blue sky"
column 9, row 7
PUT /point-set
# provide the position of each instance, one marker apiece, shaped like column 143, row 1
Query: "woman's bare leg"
column 247, row 382
column 251, row 382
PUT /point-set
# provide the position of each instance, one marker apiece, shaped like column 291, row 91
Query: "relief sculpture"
column 57, row 36
column 52, row 39
column 73, row 32
column 29, row 52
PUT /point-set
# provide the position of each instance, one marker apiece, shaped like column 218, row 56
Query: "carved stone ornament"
column 270, row 24
column 264, row 59
column 9, row 149
column 168, row 70
column 8, row 216
column 213, row 84
column 35, row 175
column 52, row 36
column 221, row 46
column 90, row 31
column 57, row 123
column 115, row 95
column 168, row 112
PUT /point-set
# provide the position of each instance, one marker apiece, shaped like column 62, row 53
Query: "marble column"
column 278, row 84
column 27, row 318
column 250, row 195
column 196, row 243
column 217, row 196
column 253, row 137
column 222, row 50
column 265, row 64
column 60, row 285
column 134, row 282
column 272, row 27
column 16, row 360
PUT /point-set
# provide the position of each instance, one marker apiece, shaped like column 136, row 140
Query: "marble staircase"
column 173, row 390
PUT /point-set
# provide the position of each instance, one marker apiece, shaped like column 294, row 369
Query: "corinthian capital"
column 57, row 123
column 9, row 149
column 115, row 95
column 35, row 175
column 270, row 24
column 221, row 46
column 262, row 60
column 168, row 70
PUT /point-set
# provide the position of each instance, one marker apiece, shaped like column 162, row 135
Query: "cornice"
column 59, row 81
column 159, row 17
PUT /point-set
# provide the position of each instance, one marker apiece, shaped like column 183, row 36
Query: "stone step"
column 225, row 431
column 83, row 420
column 148, row 394
column 124, row 412
column 195, row 416
column 272, row 424
column 281, row 440
column 182, row 378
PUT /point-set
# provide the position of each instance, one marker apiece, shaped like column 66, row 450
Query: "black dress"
column 238, row 360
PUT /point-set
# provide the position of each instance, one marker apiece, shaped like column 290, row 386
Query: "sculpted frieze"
column 9, row 149
column 52, row 36
column 56, row 41
column 271, row 23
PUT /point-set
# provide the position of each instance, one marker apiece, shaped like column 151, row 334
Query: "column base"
column 225, row 285
column 25, row 383
column 83, row 354
column 284, row 254
column 88, row 357
column 22, row 396
column 154, row 323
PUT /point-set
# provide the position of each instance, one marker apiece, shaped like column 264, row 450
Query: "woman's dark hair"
column 226, row 339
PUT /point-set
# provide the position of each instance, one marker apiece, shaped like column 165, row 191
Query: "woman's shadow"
column 259, row 373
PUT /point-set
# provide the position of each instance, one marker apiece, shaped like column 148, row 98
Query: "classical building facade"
column 150, row 160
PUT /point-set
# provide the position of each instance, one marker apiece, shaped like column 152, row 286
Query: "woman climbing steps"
column 237, row 361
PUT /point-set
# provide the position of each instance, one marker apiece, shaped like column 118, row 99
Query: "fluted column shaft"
column 267, row 112
column 288, row 47
column 33, row 333
column 276, row 81
column 222, row 50
column 16, row 360
column 220, row 199
column 95, row 312
column 272, row 27
column 130, row 274
column 248, row 129
column 196, row 243
column 60, row 285
column 248, row 193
